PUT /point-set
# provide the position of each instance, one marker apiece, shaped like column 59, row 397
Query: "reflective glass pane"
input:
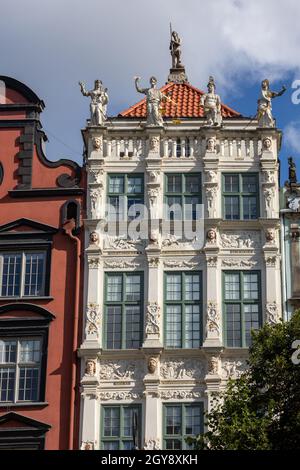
column 173, row 287
column 232, row 286
column 114, row 288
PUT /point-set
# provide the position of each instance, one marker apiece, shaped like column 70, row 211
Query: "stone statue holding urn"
column 99, row 100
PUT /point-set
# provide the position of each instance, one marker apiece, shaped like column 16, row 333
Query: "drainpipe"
column 68, row 227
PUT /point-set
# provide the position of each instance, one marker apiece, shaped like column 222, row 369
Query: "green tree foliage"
column 261, row 409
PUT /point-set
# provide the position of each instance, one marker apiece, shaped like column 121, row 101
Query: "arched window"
column 71, row 210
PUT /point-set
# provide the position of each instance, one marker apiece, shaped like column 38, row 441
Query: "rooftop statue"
column 264, row 104
column 292, row 171
column 154, row 97
column 99, row 100
column 212, row 105
column 175, row 48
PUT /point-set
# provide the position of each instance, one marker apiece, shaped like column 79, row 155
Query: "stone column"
column 212, row 318
column 90, row 425
column 152, row 402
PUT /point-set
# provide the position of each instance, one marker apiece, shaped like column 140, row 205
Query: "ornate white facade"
column 154, row 375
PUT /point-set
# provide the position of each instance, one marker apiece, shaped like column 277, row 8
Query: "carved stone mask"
column 267, row 143
column 94, row 238
column 152, row 364
column 97, row 143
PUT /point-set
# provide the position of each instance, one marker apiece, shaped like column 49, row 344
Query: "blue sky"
column 50, row 45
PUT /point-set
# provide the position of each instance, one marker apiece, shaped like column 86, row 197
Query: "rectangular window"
column 123, row 310
column 182, row 195
column 183, row 312
column 242, row 306
column 125, row 195
column 181, row 421
column 240, row 196
column 22, row 274
column 20, row 369
column 118, row 425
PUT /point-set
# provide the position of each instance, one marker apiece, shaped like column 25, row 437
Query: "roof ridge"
column 186, row 108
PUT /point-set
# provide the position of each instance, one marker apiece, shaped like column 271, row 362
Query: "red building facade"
column 41, row 208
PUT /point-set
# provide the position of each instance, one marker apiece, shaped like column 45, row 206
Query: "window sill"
column 26, row 404
column 23, row 299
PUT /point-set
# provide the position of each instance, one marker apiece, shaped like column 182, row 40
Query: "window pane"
column 173, row 420
column 173, row 326
column 231, row 183
column 190, row 207
column 173, row 444
column 127, row 445
column 134, row 184
column 111, row 421
column 115, row 208
column 251, row 286
column 11, row 275
column 192, row 287
column 232, row 286
column 133, row 329
column 132, row 288
column 113, row 445
column 114, row 326
column 30, row 350
column 249, row 207
column 134, row 207
column 116, row 184
column 232, row 209
column 34, row 274
column 174, row 208
column 28, row 383
column 251, row 314
column 114, row 288
column 233, row 325
column 192, row 326
column 7, row 383
column 174, row 184
column 192, row 184
column 8, row 349
column 173, row 287
column 249, row 184
column 192, row 420
column 128, row 417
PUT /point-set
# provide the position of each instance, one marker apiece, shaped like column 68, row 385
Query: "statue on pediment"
column 99, row 100
column 154, row 98
column 292, row 171
column 175, row 48
column 211, row 103
column 264, row 104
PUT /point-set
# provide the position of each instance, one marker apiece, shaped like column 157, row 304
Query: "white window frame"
column 18, row 365
column 23, row 271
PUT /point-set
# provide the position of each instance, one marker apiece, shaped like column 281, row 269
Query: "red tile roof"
column 187, row 98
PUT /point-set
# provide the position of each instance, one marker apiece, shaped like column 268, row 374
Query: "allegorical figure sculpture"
column 264, row 104
column 212, row 105
column 99, row 100
column 175, row 48
column 154, row 97
column 292, row 171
